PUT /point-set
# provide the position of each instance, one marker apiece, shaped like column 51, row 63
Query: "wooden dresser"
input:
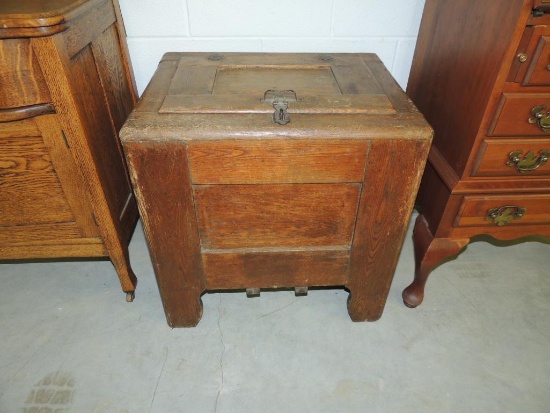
column 274, row 170
column 66, row 87
column 481, row 76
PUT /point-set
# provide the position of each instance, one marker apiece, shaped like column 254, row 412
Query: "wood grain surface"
column 277, row 161
column 479, row 70
column 249, row 268
column 22, row 81
column 321, row 201
column 161, row 180
column 233, row 216
column 66, row 90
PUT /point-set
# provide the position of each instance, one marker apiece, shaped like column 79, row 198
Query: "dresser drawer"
column 514, row 114
column 533, row 57
column 522, row 157
column 501, row 210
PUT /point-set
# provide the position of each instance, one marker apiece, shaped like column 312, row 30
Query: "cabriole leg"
column 428, row 253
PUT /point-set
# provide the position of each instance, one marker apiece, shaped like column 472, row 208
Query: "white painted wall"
column 387, row 28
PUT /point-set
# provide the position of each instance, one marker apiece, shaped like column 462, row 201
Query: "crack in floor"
column 158, row 380
column 223, row 353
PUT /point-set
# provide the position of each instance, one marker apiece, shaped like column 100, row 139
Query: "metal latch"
column 279, row 100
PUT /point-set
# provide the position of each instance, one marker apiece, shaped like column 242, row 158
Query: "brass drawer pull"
column 505, row 214
column 522, row 57
column 541, row 117
column 528, row 162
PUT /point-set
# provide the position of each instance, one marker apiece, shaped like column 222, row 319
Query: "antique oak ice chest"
column 274, row 170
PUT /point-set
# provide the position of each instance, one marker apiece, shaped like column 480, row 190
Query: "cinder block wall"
column 387, row 28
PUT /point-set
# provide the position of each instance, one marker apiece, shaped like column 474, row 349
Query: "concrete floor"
column 480, row 343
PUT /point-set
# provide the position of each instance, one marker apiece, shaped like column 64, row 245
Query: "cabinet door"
column 42, row 196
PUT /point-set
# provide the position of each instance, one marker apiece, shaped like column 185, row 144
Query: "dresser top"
column 27, row 18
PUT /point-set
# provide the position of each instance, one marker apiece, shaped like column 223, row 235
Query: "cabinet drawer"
column 533, row 57
column 475, row 210
column 513, row 114
column 248, row 216
column 523, row 157
column 277, row 161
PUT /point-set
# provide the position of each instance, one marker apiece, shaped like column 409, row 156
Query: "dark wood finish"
column 233, row 269
column 537, row 52
column 494, row 157
column 479, row 69
column 513, row 113
column 428, row 252
column 473, row 210
column 231, row 200
column 66, row 90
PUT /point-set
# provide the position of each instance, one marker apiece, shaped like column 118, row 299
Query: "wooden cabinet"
column 481, row 76
column 264, row 171
column 66, row 89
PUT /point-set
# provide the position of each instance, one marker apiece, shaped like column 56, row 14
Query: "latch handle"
column 281, row 116
column 280, row 100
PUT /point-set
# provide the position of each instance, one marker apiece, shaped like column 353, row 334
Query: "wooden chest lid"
column 258, row 83
column 33, row 18
column 211, row 95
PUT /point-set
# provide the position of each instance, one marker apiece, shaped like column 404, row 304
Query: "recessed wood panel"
column 277, row 161
column 89, row 27
column 274, row 269
column 112, row 74
column 30, row 189
column 243, row 216
column 315, row 80
column 99, row 133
